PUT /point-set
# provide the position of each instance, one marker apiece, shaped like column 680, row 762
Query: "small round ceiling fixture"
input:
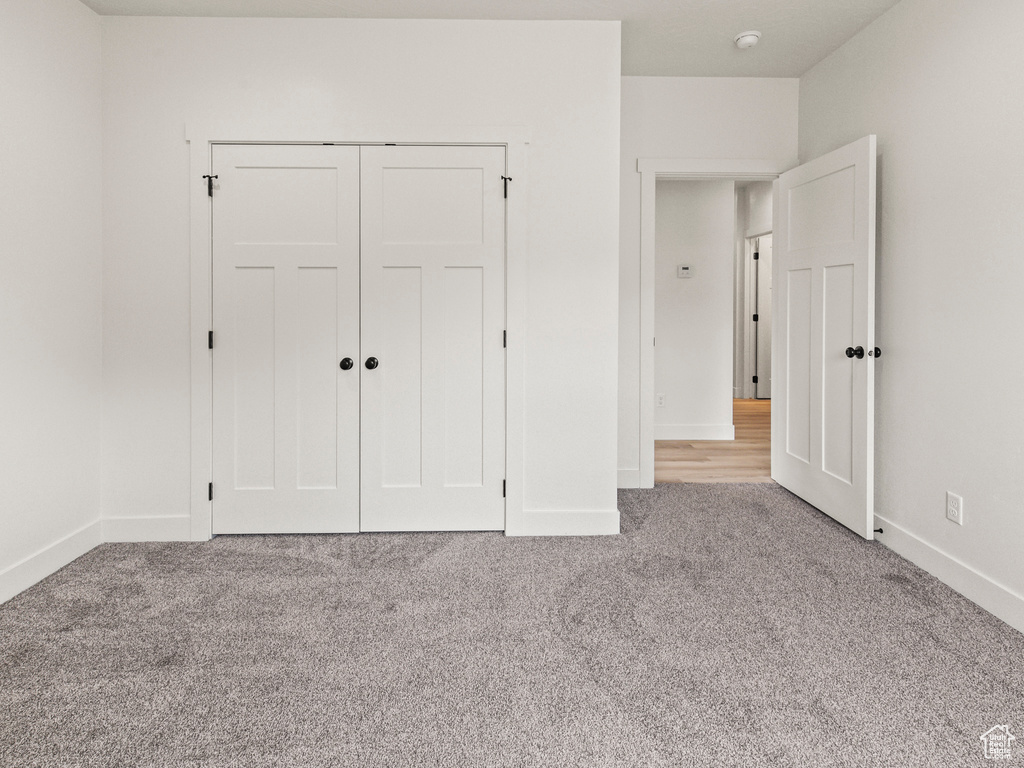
column 747, row 39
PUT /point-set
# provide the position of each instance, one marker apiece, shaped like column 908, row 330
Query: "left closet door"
column 286, row 323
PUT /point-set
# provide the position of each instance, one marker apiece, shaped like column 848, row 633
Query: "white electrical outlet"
column 659, row 400
column 954, row 508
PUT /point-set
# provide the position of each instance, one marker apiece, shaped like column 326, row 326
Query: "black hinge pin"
column 211, row 491
column 755, row 379
column 209, row 183
column 756, row 255
column 506, row 179
column 210, row 340
column 503, row 489
column 755, row 318
column 504, row 338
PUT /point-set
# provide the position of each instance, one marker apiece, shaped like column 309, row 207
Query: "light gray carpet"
column 729, row 625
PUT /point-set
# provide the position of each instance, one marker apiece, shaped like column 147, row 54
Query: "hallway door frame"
column 652, row 170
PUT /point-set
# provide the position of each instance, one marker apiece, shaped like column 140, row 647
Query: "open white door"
column 433, row 309
column 823, row 335
column 286, row 339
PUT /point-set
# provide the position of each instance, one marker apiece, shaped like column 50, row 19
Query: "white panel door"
column 433, row 293
column 763, row 388
column 823, row 334
column 286, row 315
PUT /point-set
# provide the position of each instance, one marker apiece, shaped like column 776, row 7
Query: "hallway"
column 747, row 459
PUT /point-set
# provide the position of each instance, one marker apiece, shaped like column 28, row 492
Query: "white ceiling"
column 659, row 37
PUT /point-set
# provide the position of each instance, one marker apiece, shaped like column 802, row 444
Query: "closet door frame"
column 197, row 526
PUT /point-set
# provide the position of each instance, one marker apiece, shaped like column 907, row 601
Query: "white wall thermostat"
column 684, row 270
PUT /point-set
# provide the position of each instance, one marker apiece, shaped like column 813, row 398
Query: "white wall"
column 943, row 96
column 50, row 270
column 558, row 80
column 684, row 117
column 696, row 223
column 759, row 208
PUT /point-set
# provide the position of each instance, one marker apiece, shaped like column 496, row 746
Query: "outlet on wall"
column 954, row 508
column 659, row 400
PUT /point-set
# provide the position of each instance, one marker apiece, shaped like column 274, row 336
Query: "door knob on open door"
column 858, row 352
column 347, row 364
column 372, row 362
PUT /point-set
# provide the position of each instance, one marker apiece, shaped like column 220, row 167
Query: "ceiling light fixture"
column 747, row 39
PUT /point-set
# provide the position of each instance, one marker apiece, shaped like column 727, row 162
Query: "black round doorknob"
column 347, row 364
column 858, row 352
column 372, row 362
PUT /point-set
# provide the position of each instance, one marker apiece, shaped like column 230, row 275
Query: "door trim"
column 200, row 140
column 650, row 171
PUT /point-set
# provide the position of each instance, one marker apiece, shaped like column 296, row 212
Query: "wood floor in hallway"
column 747, row 459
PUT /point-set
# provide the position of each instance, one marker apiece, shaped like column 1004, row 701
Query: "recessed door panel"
column 316, row 452
column 401, row 378
column 821, row 211
column 432, row 205
column 463, row 376
column 837, row 371
column 287, row 205
column 798, row 365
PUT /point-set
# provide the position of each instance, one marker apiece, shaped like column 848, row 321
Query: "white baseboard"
column 694, row 432
column 629, row 478
column 998, row 600
column 50, row 559
column 563, row 523
column 163, row 528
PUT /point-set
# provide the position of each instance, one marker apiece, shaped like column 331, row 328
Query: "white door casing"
column 651, row 170
column 285, row 314
column 763, row 327
column 433, row 297
column 824, row 284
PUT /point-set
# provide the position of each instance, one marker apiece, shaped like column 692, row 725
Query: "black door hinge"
column 755, row 379
column 755, row 318
column 506, row 179
column 211, row 491
column 756, row 256
column 503, row 489
column 210, row 340
column 209, row 183
column 504, row 338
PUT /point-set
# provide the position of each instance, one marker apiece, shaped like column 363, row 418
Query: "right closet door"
column 432, row 307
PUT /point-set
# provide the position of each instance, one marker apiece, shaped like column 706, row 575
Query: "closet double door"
column 358, row 353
